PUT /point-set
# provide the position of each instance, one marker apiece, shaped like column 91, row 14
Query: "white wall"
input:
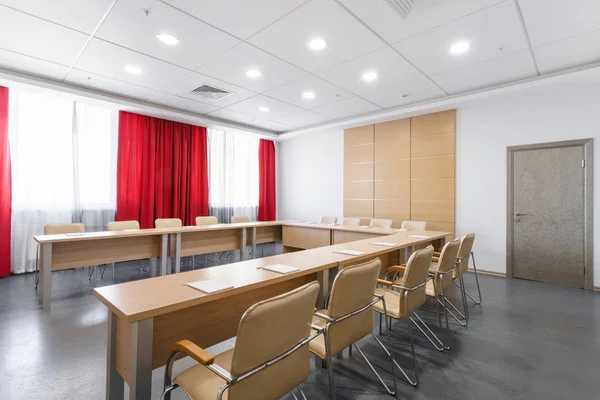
column 310, row 168
column 310, row 180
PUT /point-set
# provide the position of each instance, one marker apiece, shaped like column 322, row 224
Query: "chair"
column 414, row 225
column 168, row 223
column 464, row 253
column 270, row 357
column 349, row 317
column 381, row 223
column 328, row 220
column 351, row 222
column 58, row 229
column 115, row 226
column 404, row 297
column 203, row 221
column 239, row 219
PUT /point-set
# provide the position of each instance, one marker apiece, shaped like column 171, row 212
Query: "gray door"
column 548, row 215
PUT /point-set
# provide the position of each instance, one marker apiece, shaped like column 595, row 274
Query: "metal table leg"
column 164, row 254
column 46, row 276
column 140, row 385
column 253, row 242
column 178, row 253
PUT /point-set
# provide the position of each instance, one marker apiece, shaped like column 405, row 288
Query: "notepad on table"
column 402, row 230
column 419, row 237
column 350, row 252
column 362, row 226
column 75, row 234
column 384, row 244
column 130, row 230
column 210, row 285
column 281, row 269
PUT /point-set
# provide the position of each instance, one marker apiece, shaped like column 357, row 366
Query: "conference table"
column 146, row 317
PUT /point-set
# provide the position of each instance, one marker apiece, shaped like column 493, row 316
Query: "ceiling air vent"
column 211, row 93
column 406, row 7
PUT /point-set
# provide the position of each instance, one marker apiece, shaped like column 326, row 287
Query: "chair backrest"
column 122, row 225
column 464, row 253
column 414, row 225
column 351, row 221
column 267, row 330
column 416, row 272
column 168, row 223
column 328, row 220
column 381, row 223
column 238, row 219
column 352, row 289
column 206, row 221
column 447, row 261
column 59, row 229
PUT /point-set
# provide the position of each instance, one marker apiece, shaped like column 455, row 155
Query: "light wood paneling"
column 123, row 348
column 429, row 210
column 200, row 242
column 432, row 189
column 358, row 190
column 392, row 150
column 360, row 135
column 392, row 130
column 392, row 170
column 431, row 124
column 340, row 237
column 358, row 172
column 434, row 167
column 358, row 208
column 268, row 234
column 358, row 154
column 392, row 209
column 399, row 189
column 432, row 145
column 305, row 238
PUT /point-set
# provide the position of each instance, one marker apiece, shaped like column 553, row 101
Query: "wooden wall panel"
column 392, row 150
column 358, row 172
column 398, row 189
column 358, row 190
column 358, row 208
column 360, row 135
column 392, row 130
column 391, row 170
column 434, row 167
column 358, row 154
column 432, row 189
column 431, row 124
column 431, row 210
column 392, row 209
column 432, row 145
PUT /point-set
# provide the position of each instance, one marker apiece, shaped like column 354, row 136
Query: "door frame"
column 588, row 203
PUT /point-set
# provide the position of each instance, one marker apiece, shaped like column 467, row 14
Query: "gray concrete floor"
column 528, row 341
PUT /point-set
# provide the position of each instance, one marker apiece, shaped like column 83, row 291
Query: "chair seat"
column 392, row 302
column 199, row 382
column 317, row 345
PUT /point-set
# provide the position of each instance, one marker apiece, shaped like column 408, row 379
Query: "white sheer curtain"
column 232, row 174
column 63, row 168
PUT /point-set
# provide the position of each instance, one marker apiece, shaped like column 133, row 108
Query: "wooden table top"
column 155, row 296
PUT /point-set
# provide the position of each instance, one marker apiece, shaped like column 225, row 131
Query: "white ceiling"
column 88, row 44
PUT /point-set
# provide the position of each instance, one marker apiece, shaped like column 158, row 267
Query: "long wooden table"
column 146, row 317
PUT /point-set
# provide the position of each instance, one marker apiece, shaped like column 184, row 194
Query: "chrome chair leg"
column 329, row 364
column 387, row 389
column 167, row 393
column 102, row 271
column 37, row 267
column 432, row 337
column 301, row 392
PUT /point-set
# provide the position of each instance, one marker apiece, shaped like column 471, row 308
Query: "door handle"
column 520, row 215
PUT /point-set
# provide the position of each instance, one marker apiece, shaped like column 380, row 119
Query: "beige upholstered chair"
column 351, row 222
column 270, row 357
column 349, row 317
column 58, row 229
column 239, row 219
column 168, row 223
column 328, row 220
column 201, row 221
column 464, row 254
column 381, row 223
column 414, row 225
column 405, row 296
column 114, row 226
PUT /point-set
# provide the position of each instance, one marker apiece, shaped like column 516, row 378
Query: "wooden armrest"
column 437, row 253
column 440, row 249
column 386, row 283
column 194, row 351
column 396, row 268
column 435, row 259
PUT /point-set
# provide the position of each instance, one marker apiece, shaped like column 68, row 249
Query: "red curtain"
column 5, row 186
column 162, row 170
column 267, row 210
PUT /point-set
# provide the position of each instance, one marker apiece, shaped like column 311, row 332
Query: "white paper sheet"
column 350, row 252
column 419, row 237
column 280, row 268
column 384, row 244
column 210, row 285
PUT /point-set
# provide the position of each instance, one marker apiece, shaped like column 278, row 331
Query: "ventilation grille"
column 211, row 93
column 406, row 7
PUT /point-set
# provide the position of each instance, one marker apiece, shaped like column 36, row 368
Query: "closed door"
column 548, row 215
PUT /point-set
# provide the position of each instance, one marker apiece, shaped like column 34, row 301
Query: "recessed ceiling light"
column 132, row 69
column 253, row 73
column 369, row 76
column 308, row 95
column 167, row 39
column 459, row 47
column 264, row 109
column 317, row 44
